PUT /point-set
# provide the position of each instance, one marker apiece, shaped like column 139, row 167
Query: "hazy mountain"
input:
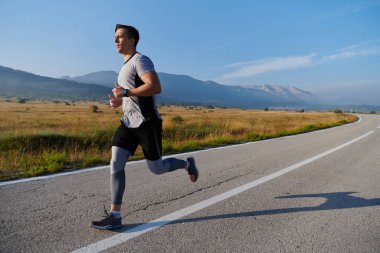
column 105, row 78
column 15, row 83
column 180, row 89
column 273, row 94
column 288, row 92
column 285, row 90
column 185, row 89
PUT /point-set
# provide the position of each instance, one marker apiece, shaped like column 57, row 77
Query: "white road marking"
column 143, row 161
column 149, row 226
column 51, row 176
column 378, row 127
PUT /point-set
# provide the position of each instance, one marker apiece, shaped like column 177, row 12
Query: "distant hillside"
column 15, row 83
column 288, row 92
column 192, row 90
column 178, row 89
column 105, row 78
column 187, row 90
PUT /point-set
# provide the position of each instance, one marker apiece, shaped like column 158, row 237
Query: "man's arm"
column 150, row 87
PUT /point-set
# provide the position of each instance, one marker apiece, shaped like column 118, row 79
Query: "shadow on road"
column 334, row 201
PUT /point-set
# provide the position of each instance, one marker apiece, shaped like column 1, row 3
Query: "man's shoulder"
column 141, row 57
column 143, row 64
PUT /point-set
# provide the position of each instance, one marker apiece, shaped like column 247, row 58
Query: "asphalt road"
column 316, row 192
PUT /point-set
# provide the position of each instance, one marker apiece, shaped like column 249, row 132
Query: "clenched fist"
column 115, row 102
column 117, row 91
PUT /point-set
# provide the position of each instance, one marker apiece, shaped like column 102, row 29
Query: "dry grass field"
column 45, row 137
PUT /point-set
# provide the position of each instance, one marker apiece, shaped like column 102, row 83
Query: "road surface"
column 315, row 192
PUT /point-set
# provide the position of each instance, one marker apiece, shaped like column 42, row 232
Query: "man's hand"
column 117, row 91
column 115, row 102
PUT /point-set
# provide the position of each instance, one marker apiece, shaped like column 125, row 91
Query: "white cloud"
column 252, row 68
column 361, row 49
column 248, row 69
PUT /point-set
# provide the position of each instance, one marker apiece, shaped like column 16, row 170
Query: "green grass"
column 49, row 153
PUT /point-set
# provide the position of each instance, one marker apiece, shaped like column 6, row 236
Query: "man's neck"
column 128, row 55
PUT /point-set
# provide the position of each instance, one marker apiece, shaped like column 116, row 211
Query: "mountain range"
column 185, row 89
column 176, row 89
column 16, row 83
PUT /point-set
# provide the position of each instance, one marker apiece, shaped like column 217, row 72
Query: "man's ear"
column 134, row 41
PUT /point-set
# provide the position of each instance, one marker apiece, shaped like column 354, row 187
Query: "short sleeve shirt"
column 137, row 109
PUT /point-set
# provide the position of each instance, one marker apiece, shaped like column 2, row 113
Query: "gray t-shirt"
column 137, row 109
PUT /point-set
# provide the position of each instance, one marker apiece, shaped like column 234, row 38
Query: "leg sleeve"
column 117, row 180
column 162, row 166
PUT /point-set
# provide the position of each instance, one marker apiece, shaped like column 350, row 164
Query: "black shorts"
column 148, row 135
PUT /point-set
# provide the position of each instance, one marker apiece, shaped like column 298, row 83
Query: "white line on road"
column 141, row 161
column 149, row 226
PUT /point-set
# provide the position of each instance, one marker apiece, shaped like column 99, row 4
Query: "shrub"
column 36, row 171
column 167, row 147
column 177, row 120
column 54, row 160
column 89, row 160
column 253, row 137
column 94, row 108
column 21, row 100
column 190, row 145
column 309, row 128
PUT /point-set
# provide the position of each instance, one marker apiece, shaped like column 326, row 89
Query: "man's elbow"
column 158, row 90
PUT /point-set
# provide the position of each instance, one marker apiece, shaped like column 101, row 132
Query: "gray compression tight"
column 119, row 159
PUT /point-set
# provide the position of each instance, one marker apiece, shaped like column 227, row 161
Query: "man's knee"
column 156, row 166
column 116, row 166
column 119, row 159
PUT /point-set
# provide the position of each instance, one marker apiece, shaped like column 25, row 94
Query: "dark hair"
column 132, row 32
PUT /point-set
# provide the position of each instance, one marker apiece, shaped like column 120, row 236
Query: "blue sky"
column 320, row 46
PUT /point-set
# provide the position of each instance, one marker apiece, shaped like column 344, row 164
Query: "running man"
column 141, row 123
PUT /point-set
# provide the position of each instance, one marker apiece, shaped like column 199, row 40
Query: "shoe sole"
column 196, row 171
column 109, row 227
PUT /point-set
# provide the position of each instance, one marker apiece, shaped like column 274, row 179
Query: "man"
column 141, row 123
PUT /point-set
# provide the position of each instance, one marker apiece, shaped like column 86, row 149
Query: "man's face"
column 122, row 42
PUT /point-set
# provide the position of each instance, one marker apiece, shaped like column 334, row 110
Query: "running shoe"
column 108, row 223
column 192, row 170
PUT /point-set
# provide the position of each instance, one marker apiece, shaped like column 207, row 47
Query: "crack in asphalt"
column 144, row 208
column 34, row 189
column 53, row 206
column 65, row 202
